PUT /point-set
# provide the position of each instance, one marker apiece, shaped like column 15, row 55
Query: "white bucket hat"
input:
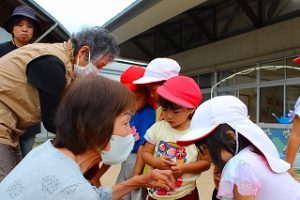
column 232, row 111
column 159, row 69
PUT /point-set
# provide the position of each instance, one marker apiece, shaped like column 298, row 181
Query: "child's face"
column 152, row 87
column 140, row 98
column 179, row 118
column 225, row 155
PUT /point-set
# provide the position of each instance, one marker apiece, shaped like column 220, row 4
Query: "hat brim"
column 250, row 131
column 8, row 24
column 297, row 60
column 166, row 94
column 146, row 80
column 133, row 87
column 259, row 138
column 195, row 134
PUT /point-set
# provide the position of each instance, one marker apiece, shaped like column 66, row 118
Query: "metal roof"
column 52, row 30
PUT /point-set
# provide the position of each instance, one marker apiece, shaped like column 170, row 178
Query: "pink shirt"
column 252, row 176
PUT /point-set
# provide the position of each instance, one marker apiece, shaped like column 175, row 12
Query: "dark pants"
column 28, row 138
column 191, row 196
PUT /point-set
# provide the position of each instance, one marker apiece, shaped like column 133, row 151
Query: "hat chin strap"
column 236, row 142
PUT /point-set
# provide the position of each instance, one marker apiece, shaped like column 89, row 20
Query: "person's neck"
column 85, row 160
column 184, row 126
column 18, row 43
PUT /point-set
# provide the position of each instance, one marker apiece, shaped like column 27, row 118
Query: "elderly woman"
column 93, row 117
column 33, row 79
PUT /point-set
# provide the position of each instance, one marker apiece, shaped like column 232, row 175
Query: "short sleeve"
column 146, row 121
column 151, row 134
column 104, row 193
column 238, row 172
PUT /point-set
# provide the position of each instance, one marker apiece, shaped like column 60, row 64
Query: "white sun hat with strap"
column 232, row 111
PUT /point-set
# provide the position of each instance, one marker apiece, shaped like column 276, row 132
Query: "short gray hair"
column 99, row 40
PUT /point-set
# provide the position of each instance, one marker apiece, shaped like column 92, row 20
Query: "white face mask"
column 82, row 71
column 120, row 148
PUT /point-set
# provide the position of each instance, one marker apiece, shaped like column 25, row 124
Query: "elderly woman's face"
column 122, row 126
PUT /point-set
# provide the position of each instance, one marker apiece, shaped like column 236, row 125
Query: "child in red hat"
column 156, row 73
column 179, row 97
column 139, row 123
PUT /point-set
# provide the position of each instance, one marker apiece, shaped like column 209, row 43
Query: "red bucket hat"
column 131, row 74
column 181, row 90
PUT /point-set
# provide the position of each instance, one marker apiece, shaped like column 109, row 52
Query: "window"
column 292, row 73
column 205, row 80
column 272, row 71
column 225, row 74
column 271, row 103
column 249, row 96
column 292, row 94
column 248, row 75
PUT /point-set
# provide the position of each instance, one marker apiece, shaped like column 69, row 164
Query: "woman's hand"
column 154, row 179
column 159, row 179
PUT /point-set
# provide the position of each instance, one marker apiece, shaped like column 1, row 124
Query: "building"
column 51, row 29
column 215, row 39
column 238, row 47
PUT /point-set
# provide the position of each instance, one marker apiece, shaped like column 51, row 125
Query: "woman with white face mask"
column 92, row 118
column 35, row 78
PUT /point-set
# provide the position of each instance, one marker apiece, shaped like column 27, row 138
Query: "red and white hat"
column 131, row 74
column 297, row 60
column 232, row 111
column 181, row 90
column 159, row 69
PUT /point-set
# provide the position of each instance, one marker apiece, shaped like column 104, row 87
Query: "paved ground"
column 204, row 182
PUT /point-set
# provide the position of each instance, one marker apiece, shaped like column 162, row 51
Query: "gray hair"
column 99, row 40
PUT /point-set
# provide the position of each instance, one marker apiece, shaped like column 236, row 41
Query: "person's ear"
column 83, row 52
column 82, row 55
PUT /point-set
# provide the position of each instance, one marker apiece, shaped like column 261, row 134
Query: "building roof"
column 52, row 30
column 144, row 14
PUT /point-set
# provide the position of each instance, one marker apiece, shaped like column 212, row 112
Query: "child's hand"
column 177, row 170
column 165, row 162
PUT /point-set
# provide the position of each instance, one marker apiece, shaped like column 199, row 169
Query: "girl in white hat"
column 249, row 161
